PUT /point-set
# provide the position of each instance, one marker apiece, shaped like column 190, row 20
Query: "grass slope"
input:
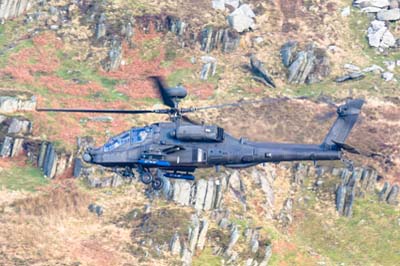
column 370, row 237
column 22, row 178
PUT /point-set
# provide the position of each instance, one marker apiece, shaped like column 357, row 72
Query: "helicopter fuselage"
column 184, row 147
column 179, row 147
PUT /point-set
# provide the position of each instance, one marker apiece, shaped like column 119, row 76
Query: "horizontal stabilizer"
column 346, row 147
column 351, row 149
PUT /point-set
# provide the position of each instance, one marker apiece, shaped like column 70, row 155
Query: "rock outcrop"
column 12, row 104
column 392, row 198
column 379, row 35
column 209, row 38
column 52, row 162
column 372, row 6
column 265, row 181
column 202, row 195
column 242, row 18
column 285, row 216
column 350, row 76
column 16, row 137
column 105, row 28
column 186, row 244
column 209, row 68
column 359, row 182
column 114, row 58
column 225, row 39
column 13, row 8
column 259, row 72
column 308, row 66
column 389, row 194
column 13, row 130
column 390, row 14
column 345, row 193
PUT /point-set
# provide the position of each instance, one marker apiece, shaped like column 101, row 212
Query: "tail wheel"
column 157, row 184
column 146, row 178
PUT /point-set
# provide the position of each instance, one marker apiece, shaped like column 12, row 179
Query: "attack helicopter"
column 177, row 148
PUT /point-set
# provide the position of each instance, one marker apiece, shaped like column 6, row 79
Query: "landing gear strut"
column 125, row 173
column 147, row 178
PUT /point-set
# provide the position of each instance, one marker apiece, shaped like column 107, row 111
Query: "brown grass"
column 62, row 198
column 54, row 226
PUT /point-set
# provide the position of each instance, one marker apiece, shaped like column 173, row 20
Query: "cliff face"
column 14, row 8
column 97, row 54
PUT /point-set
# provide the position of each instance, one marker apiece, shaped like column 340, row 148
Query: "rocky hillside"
column 302, row 57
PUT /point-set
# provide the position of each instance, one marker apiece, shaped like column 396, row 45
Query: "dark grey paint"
column 187, row 146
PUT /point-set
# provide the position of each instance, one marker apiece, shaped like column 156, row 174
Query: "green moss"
column 206, row 258
column 237, row 90
column 150, row 49
column 179, row 76
column 79, row 70
column 8, row 51
column 170, row 53
column 3, row 38
column 22, row 178
column 82, row 72
column 8, row 33
column 242, row 223
column 150, row 101
column 109, row 95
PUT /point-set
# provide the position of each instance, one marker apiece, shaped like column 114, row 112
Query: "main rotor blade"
column 236, row 104
column 166, row 98
column 104, row 111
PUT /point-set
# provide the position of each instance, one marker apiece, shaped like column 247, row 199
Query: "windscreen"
column 139, row 134
column 117, row 141
column 135, row 135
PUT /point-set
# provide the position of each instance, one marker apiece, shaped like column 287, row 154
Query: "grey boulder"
column 351, row 76
column 388, row 40
column 14, row 8
column 288, row 52
column 387, row 76
column 373, row 68
column 393, row 194
column 233, row 3
column 379, row 36
column 10, row 104
column 390, row 14
column 242, row 18
column 372, row 3
column 308, row 66
column 260, row 73
column 218, row 4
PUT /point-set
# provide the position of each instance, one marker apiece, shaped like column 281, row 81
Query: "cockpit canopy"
column 133, row 136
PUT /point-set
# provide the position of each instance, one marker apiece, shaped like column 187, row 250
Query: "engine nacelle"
column 209, row 133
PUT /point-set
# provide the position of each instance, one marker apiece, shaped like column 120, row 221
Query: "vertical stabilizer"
column 347, row 117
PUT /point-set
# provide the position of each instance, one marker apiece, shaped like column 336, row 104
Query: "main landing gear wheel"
column 157, row 184
column 146, row 178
